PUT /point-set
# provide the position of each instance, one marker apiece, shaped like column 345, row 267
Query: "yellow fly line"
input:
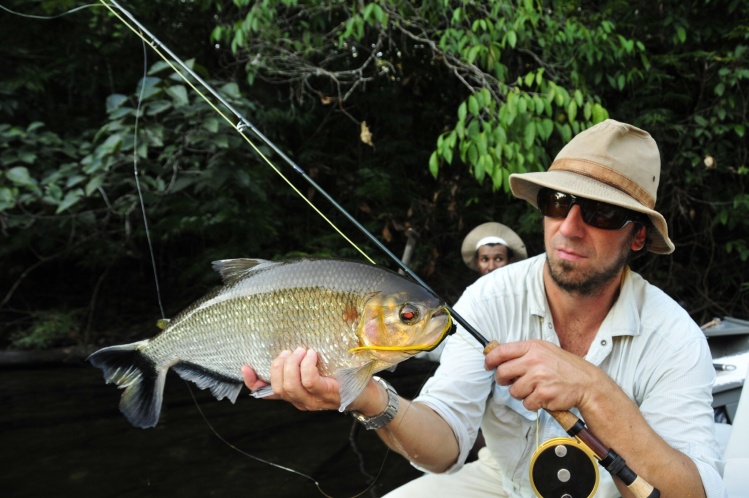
column 415, row 347
column 239, row 127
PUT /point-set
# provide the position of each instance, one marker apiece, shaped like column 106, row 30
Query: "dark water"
column 61, row 434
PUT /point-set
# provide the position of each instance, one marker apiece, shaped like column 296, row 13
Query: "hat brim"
column 526, row 186
column 491, row 229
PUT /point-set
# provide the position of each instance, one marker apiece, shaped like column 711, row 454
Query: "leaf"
column 178, row 94
column 20, row 176
column 434, row 164
column 7, row 198
column 231, row 90
column 93, row 185
column 110, row 145
column 71, row 198
column 681, row 33
column 572, row 110
column 462, row 110
column 148, row 87
column 211, row 124
column 599, row 113
column 115, row 101
column 530, row 134
column 473, row 105
column 27, row 156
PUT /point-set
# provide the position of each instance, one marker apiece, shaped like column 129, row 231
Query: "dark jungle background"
column 410, row 114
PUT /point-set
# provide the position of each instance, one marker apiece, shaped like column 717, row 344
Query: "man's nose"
column 573, row 223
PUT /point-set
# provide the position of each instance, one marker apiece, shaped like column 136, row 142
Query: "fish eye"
column 409, row 313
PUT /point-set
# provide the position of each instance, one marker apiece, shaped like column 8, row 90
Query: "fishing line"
column 136, row 174
column 240, row 450
column 155, row 44
column 282, row 467
column 45, row 18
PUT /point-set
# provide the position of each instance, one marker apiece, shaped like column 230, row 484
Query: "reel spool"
column 564, row 468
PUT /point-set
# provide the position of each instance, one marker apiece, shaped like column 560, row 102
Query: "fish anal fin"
column 352, row 381
column 232, row 270
column 220, row 386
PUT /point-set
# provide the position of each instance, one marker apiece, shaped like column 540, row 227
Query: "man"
column 490, row 246
column 577, row 331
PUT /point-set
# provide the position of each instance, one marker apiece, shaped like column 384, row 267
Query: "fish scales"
column 254, row 319
column 360, row 319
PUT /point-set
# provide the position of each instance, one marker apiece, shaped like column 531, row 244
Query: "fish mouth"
column 448, row 329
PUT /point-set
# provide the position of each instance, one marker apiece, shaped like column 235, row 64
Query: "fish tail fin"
column 126, row 366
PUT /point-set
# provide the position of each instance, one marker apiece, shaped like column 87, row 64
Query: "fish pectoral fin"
column 352, row 381
column 232, row 270
column 221, row 386
column 263, row 392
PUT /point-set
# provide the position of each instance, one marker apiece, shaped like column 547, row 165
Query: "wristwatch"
column 384, row 418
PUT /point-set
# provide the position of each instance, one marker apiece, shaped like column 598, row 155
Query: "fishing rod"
column 608, row 458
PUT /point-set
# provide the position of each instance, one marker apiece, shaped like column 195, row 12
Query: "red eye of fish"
column 409, row 313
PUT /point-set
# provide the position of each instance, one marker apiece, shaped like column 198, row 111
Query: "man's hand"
column 295, row 378
column 543, row 375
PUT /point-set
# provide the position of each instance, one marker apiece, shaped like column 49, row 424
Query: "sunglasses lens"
column 602, row 215
column 595, row 213
column 554, row 204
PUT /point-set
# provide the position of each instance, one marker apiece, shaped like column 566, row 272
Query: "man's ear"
column 638, row 242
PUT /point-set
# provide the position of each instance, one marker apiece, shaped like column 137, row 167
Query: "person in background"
column 490, row 246
column 577, row 330
column 487, row 247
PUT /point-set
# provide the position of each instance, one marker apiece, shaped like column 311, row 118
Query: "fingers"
column 506, row 352
column 295, row 378
column 251, row 380
column 537, row 372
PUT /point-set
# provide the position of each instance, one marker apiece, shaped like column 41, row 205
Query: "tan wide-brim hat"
column 611, row 162
column 491, row 231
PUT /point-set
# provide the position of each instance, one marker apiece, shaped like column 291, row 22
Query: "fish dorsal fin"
column 232, row 270
column 352, row 381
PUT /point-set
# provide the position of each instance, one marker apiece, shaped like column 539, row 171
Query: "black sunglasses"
column 555, row 204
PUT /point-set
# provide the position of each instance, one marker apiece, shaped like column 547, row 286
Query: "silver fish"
column 360, row 318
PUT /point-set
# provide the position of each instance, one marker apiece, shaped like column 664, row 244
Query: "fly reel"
column 564, row 468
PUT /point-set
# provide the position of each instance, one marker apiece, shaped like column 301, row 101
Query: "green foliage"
column 48, row 329
column 457, row 95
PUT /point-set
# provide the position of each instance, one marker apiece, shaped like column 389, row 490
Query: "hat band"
column 491, row 240
column 605, row 175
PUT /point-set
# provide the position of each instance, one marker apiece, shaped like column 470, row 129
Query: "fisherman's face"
column 581, row 258
column 489, row 257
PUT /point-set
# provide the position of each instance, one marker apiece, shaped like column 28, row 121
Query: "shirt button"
column 603, row 342
column 550, row 325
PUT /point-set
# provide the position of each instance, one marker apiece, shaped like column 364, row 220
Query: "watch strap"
column 384, row 418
